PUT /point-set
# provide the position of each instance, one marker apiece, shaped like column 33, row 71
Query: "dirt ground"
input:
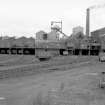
column 78, row 86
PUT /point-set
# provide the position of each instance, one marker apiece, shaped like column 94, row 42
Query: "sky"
column 26, row 17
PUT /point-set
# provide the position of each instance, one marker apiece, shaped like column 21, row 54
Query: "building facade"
column 52, row 36
column 77, row 29
column 41, row 35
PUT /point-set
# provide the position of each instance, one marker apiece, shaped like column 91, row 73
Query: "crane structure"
column 53, row 23
column 57, row 28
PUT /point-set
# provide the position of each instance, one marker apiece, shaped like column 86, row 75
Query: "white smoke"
column 97, row 6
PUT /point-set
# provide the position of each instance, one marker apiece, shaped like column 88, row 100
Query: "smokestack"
column 87, row 22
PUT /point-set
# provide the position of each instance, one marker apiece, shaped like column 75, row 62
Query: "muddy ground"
column 75, row 86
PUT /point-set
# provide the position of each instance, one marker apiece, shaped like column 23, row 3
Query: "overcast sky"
column 26, row 17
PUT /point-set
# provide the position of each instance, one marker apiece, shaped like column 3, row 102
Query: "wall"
column 39, row 35
column 19, row 42
column 53, row 35
column 77, row 30
column 98, row 33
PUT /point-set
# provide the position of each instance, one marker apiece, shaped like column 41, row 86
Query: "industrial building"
column 98, row 34
column 41, row 35
column 77, row 29
column 49, row 43
column 51, row 36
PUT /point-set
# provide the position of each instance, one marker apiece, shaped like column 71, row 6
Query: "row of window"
column 31, row 51
column 25, row 51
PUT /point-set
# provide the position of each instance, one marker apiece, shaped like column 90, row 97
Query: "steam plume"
column 97, row 6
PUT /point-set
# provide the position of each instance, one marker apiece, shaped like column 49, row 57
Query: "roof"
column 98, row 32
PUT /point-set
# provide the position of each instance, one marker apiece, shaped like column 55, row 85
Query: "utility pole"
column 34, row 44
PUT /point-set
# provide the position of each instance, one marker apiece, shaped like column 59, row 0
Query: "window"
column 45, row 36
column 46, row 50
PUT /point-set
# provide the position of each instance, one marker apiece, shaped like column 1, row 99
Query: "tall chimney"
column 87, row 22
